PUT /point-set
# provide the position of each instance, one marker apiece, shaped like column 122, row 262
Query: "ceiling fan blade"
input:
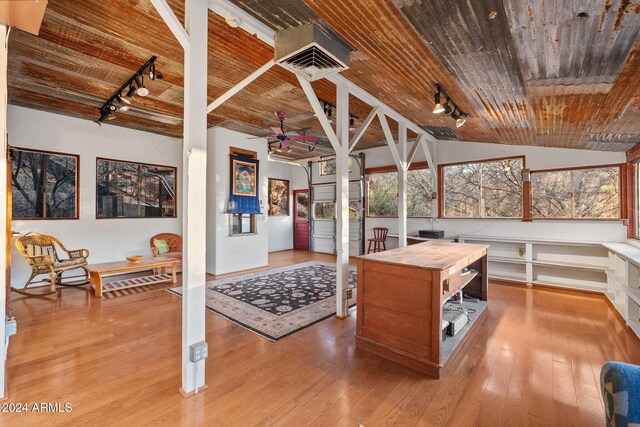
column 277, row 131
column 303, row 137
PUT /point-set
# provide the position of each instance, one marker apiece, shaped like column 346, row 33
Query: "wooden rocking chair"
column 42, row 255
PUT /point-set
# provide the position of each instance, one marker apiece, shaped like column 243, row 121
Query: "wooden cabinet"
column 400, row 297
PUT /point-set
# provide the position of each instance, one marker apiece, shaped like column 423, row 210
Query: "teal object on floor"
column 620, row 383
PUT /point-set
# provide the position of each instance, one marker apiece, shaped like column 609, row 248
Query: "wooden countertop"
column 432, row 255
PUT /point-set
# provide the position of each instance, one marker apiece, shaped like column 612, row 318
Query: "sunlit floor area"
column 535, row 360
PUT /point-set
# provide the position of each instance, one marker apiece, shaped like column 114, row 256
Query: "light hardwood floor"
column 535, row 361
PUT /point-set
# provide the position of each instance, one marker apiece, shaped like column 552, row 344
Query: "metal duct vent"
column 310, row 51
column 443, row 133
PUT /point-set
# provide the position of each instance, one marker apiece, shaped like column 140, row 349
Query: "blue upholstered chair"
column 620, row 383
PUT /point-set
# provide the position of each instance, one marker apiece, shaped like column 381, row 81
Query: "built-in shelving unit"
column 610, row 268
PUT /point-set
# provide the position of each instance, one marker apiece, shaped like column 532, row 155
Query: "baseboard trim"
column 192, row 393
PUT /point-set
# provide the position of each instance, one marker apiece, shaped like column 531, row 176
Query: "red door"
column 301, row 219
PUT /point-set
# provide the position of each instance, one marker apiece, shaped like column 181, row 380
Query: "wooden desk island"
column 400, row 297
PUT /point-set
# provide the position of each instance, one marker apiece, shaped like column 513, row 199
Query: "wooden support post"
column 194, row 172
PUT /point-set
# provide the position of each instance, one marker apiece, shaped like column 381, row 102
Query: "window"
column 324, row 210
column 576, row 193
column 487, row 189
column 243, row 224
column 134, row 190
column 327, row 210
column 383, row 193
column 44, row 185
column 328, row 167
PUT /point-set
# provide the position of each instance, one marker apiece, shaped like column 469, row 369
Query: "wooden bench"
column 98, row 271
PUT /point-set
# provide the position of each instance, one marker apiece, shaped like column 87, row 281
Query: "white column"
column 342, row 199
column 402, row 185
column 194, row 190
column 3, row 196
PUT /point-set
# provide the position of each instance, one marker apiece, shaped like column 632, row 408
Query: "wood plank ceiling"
column 546, row 73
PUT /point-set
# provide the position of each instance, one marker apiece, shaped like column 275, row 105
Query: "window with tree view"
column 43, row 185
column 489, row 189
column 328, row 167
column 383, row 193
column 577, row 193
column 134, row 190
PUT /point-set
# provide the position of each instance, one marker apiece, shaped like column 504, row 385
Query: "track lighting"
column 438, row 108
column 133, row 86
column 131, row 91
column 450, row 107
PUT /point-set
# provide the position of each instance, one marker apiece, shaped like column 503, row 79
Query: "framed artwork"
column 278, row 197
column 134, row 190
column 44, row 185
column 244, row 178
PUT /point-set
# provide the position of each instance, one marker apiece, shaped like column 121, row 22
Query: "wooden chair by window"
column 378, row 240
column 41, row 252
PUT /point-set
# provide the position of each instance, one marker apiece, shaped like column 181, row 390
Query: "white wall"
column 106, row 239
column 226, row 253
column 536, row 158
column 280, row 227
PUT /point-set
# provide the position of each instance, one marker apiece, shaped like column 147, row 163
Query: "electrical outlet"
column 198, row 351
column 348, row 293
column 521, row 251
column 10, row 326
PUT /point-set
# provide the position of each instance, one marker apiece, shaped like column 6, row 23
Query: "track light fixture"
column 438, row 108
column 449, row 107
column 133, row 86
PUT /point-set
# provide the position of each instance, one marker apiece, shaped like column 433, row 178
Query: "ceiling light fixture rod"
column 105, row 109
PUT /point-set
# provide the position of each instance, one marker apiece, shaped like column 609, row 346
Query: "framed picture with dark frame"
column 44, row 184
column 278, row 197
column 135, row 190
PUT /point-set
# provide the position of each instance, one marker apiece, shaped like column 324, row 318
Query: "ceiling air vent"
column 443, row 133
column 311, row 52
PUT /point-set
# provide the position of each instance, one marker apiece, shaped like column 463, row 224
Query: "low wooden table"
column 98, row 271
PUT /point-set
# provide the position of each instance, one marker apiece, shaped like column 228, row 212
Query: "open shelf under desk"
column 451, row 344
column 466, row 279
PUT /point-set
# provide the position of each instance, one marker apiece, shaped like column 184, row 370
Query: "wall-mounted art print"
column 244, row 177
column 278, row 197
column 243, row 192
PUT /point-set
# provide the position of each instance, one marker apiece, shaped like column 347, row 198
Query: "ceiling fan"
column 283, row 139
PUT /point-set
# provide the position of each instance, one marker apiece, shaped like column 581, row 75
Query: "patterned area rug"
column 276, row 303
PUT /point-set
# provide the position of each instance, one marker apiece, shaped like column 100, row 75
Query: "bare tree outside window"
column 491, row 189
column 44, row 185
column 383, row 193
column 579, row 193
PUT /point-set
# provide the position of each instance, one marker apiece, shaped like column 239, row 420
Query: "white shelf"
column 506, row 260
column 564, row 264
column 619, row 280
column 596, row 287
column 634, row 294
column 610, row 268
column 471, row 237
column 508, row 277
